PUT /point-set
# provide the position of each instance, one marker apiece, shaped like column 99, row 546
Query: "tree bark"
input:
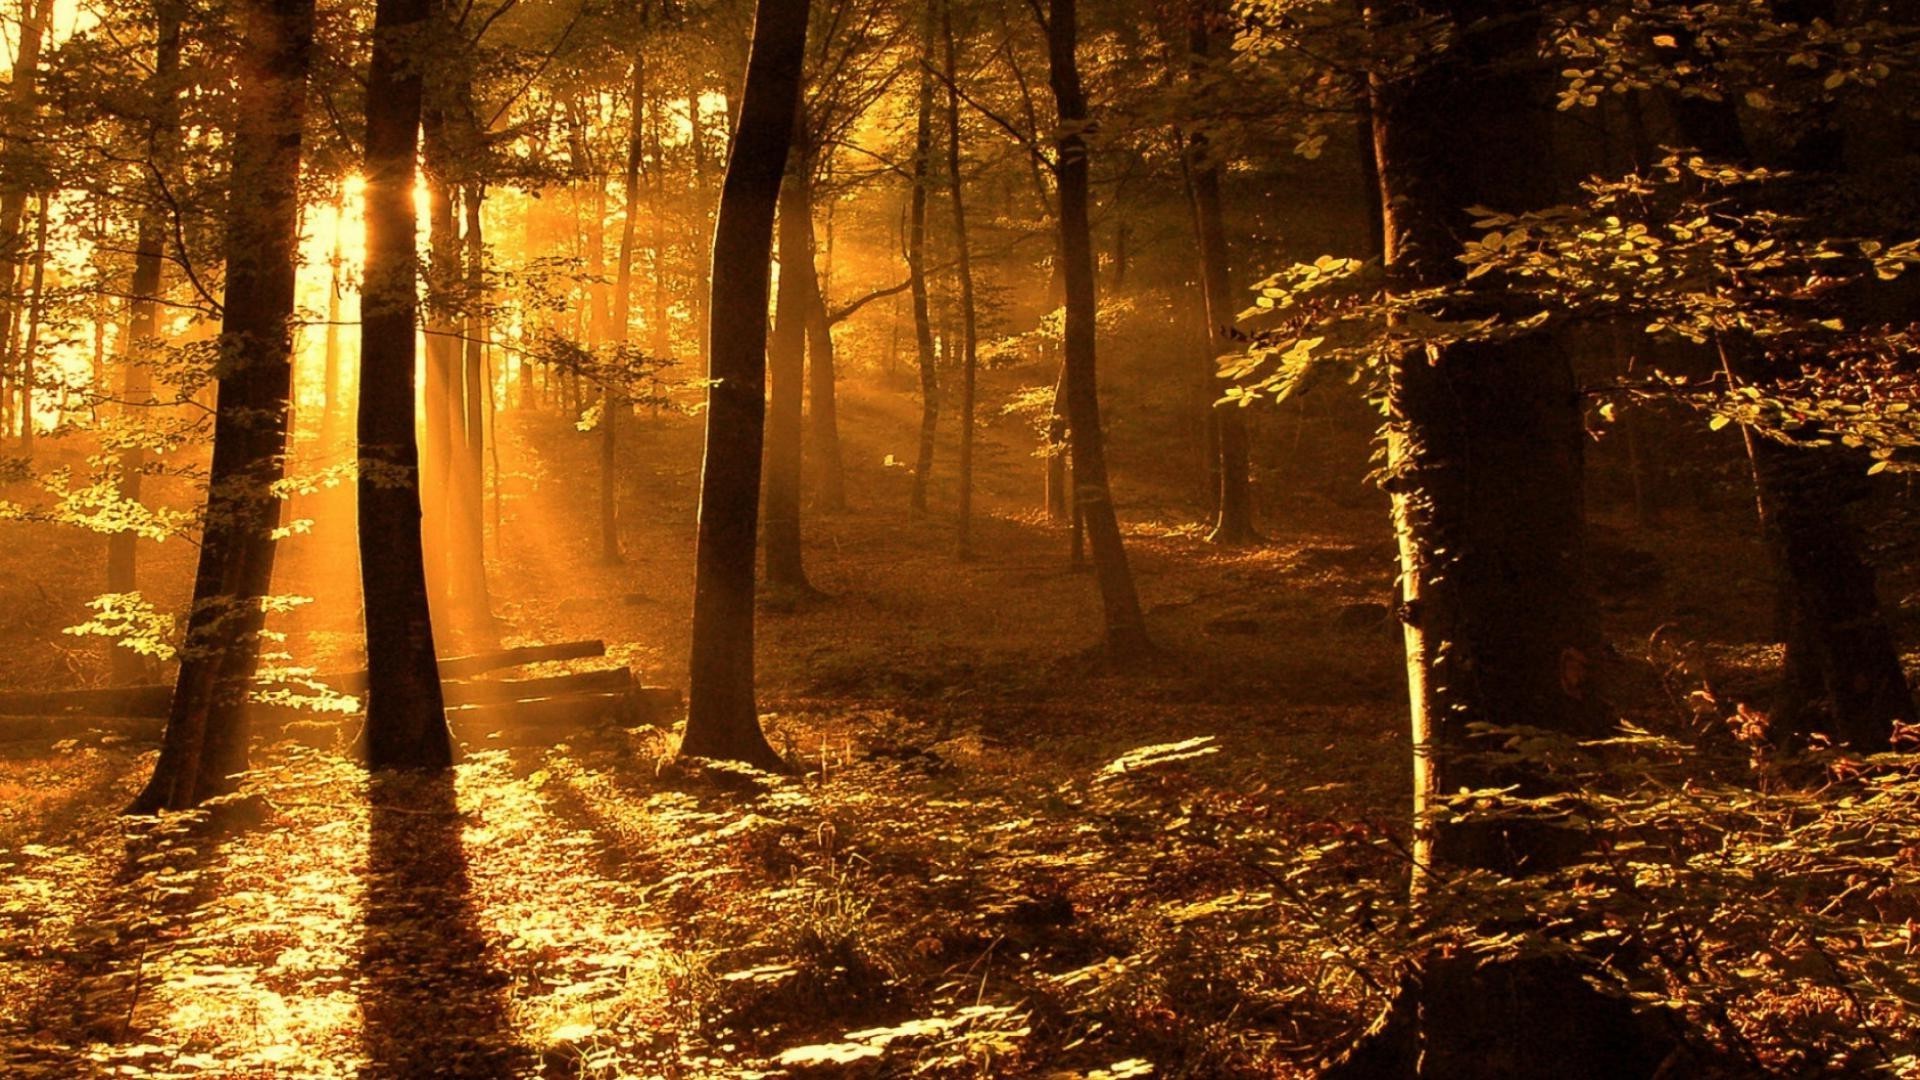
column 406, row 721
column 781, row 532
column 23, row 92
column 963, row 267
column 722, row 715
column 613, row 402
column 1125, row 628
column 442, row 343
column 143, row 323
column 468, row 532
column 36, row 310
column 206, row 737
column 1485, row 469
column 917, row 273
column 1232, row 498
column 697, row 141
column 1841, row 671
column 823, row 414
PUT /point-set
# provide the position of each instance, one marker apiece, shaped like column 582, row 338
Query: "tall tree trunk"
column 468, row 532
column 442, row 368
column 206, row 736
column 406, row 720
column 36, row 309
column 1233, row 496
column 963, row 267
column 722, row 715
column 823, row 417
column 702, row 287
column 1125, row 629
column 786, row 358
column 1485, row 469
column 330, row 370
column 917, row 271
column 659, row 329
column 1841, row 671
column 23, row 93
column 143, row 323
column 613, row 407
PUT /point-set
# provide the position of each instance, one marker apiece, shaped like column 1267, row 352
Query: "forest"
column 959, row 538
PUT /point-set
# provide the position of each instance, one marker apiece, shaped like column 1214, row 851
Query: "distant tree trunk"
column 1484, row 467
column 406, row 721
column 702, row 287
column 659, row 328
column 1056, row 495
column 330, row 377
column 722, row 715
column 823, row 418
column 1842, row 671
column 786, row 569
column 442, row 390
column 143, row 323
column 1126, row 630
column 613, row 406
column 969, row 343
column 23, row 92
column 36, row 309
column 468, row 526
column 206, row 736
column 1233, row 497
column 917, row 272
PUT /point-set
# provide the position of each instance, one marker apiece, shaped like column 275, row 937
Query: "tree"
column 206, row 735
column 1484, row 467
column 1233, row 497
column 406, row 722
column 722, row 715
column 1125, row 628
column 963, row 266
column 786, row 358
column 1841, row 669
column 917, row 271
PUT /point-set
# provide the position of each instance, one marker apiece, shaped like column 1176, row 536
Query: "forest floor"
column 978, row 869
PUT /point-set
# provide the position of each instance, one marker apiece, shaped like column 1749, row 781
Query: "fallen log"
column 154, row 699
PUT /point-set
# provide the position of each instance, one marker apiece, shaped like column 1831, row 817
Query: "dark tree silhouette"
column 1485, row 467
column 206, row 735
column 1125, row 628
column 406, row 722
column 722, row 715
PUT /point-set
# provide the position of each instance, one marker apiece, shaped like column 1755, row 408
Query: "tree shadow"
column 432, row 1003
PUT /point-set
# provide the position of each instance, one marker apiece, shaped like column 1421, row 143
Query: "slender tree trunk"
column 917, row 272
column 330, row 371
column 406, row 722
column 442, row 343
column 722, row 715
column 143, row 323
column 780, row 532
column 206, row 736
column 823, row 418
column 1125, row 629
column 1842, row 671
column 1485, row 470
column 963, row 267
column 659, row 330
column 703, row 198
column 469, row 531
column 23, row 93
column 1233, row 497
column 36, row 309
column 1057, row 494
column 613, row 408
